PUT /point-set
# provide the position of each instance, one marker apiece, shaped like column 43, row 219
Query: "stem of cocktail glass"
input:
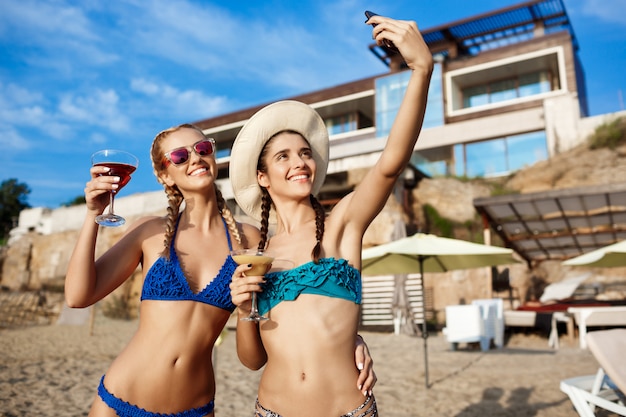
column 254, row 310
column 111, row 199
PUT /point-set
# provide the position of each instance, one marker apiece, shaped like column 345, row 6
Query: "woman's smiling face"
column 287, row 166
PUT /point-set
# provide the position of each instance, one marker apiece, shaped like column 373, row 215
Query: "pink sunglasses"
column 179, row 156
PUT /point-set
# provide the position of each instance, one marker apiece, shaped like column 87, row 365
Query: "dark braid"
column 320, row 216
column 266, row 205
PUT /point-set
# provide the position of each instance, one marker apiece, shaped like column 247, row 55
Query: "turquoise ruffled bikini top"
column 330, row 277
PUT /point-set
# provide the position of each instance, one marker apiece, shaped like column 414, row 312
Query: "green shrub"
column 609, row 135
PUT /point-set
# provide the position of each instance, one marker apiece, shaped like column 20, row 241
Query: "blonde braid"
column 174, row 200
column 227, row 215
column 174, row 196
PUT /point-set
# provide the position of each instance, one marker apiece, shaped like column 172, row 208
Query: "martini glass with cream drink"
column 260, row 262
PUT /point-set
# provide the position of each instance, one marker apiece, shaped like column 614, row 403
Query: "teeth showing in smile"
column 197, row 172
column 299, row 177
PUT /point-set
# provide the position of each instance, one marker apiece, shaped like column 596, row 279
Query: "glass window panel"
column 389, row 93
column 341, row 124
column 526, row 149
column 485, row 158
column 459, row 160
column 502, row 90
column 434, row 107
column 475, row 96
column 222, row 153
column 531, row 84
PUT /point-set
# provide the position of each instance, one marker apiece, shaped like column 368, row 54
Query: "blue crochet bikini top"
column 166, row 281
column 330, row 277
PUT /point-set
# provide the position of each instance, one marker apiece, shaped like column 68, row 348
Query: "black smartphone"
column 369, row 14
column 388, row 44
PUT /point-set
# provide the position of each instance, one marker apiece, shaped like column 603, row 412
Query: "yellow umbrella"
column 429, row 253
column 609, row 256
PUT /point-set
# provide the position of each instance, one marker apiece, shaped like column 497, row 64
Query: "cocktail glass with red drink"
column 120, row 164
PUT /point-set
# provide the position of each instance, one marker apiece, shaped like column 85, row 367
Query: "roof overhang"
column 559, row 224
column 491, row 30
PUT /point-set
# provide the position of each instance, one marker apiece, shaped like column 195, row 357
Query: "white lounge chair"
column 606, row 388
column 610, row 316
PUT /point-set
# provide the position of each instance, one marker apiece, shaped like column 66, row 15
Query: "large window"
column 390, row 91
column 500, row 156
column 510, row 80
column 509, row 89
column 342, row 124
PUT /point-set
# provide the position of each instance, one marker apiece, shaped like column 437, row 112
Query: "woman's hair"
column 266, row 205
column 175, row 197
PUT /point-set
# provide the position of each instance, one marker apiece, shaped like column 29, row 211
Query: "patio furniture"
column 492, row 310
column 585, row 317
column 466, row 324
column 606, row 388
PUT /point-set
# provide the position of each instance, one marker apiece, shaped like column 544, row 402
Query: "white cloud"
column 186, row 103
column 98, row 138
column 98, row 109
column 222, row 45
column 56, row 35
column 12, row 140
column 144, row 86
column 607, row 10
column 19, row 95
column 40, row 19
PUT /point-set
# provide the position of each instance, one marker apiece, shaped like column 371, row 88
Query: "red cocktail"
column 121, row 164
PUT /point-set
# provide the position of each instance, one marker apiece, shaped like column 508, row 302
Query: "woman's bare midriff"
column 312, row 370
column 176, row 349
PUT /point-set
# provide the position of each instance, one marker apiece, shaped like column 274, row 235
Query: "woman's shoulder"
column 148, row 224
column 251, row 233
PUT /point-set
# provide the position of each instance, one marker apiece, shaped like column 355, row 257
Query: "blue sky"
column 79, row 76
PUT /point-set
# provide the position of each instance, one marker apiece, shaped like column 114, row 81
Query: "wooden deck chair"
column 606, row 388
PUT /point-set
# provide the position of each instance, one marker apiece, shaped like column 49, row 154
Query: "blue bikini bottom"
column 125, row 409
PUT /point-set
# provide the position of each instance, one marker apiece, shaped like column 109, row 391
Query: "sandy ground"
column 54, row 371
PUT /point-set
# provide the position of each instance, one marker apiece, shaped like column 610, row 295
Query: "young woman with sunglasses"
column 166, row 367
column 313, row 309
column 184, row 258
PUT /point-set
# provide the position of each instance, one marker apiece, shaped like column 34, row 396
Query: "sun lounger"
column 606, row 388
column 597, row 317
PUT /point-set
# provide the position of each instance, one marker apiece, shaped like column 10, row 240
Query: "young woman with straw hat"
column 278, row 163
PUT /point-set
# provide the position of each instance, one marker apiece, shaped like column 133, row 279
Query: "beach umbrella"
column 429, row 253
column 609, row 256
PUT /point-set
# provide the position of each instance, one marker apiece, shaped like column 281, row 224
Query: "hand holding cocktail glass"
column 260, row 263
column 120, row 164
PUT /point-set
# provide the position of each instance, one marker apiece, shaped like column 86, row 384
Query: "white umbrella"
column 429, row 253
column 609, row 256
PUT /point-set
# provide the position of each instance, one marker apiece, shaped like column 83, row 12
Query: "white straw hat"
column 270, row 120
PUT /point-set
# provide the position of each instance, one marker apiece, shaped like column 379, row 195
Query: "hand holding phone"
column 388, row 44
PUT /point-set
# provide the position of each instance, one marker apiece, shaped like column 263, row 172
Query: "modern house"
column 507, row 91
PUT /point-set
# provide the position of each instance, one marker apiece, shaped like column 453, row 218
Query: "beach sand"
column 54, row 370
